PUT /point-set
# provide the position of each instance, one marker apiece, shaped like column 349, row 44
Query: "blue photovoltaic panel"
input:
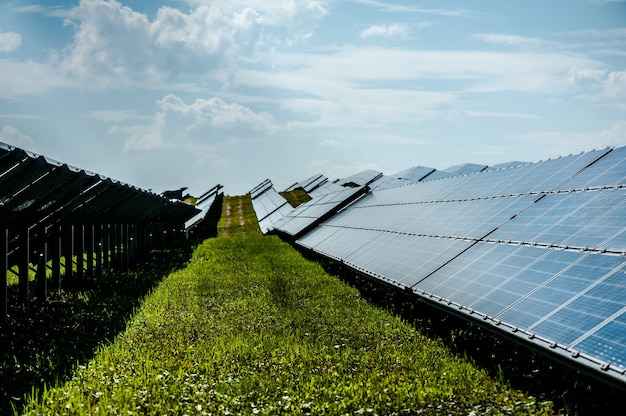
column 325, row 188
column 534, row 249
column 342, row 244
column 589, row 219
column 387, row 182
column 465, row 169
column 414, row 174
column 610, row 170
column 312, row 239
column 314, row 211
column 269, row 206
column 361, row 179
column 405, row 259
column 580, row 270
column 608, row 342
column 600, row 299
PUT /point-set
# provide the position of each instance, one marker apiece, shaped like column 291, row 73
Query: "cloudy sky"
column 169, row 93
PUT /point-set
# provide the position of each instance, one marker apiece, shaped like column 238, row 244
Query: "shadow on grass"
column 43, row 344
column 518, row 367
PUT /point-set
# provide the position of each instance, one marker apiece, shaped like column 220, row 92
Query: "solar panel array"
column 535, row 250
column 204, row 204
column 51, row 212
column 268, row 205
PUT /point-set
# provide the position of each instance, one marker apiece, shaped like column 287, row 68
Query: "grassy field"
column 251, row 327
column 296, row 197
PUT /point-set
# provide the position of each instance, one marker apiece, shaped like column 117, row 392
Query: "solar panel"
column 269, row 206
column 49, row 210
column 361, row 179
column 534, row 249
column 610, row 170
column 414, row 174
column 204, row 204
column 465, row 169
column 311, row 213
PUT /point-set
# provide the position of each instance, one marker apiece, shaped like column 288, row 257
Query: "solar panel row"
column 268, row 205
column 534, row 249
column 50, row 211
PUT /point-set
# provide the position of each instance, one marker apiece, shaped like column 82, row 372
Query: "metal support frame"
column 23, row 264
column 4, row 269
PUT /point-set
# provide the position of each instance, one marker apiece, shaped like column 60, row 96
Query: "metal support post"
column 80, row 251
column 24, row 264
column 90, row 248
column 55, row 254
column 68, row 251
column 42, row 267
column 4, row 268
column 99, row 247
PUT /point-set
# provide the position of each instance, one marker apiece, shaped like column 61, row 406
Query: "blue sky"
column 165, row 94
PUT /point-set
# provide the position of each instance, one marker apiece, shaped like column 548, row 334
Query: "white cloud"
column 497, row 114
column 393, row 7
column 178, row 124
column 13, row 136
column 115, row 45
column 343, row 88
column 10, row 41
column 614, row 135
column 218, row 114
column 614, row 87
column 582, row 75
column 515, row 41
column 600, row 84
column 141, row 137
column 386, row 31
column 330, row 143
column 559, row 143
column 116, row 116
column 30, row 78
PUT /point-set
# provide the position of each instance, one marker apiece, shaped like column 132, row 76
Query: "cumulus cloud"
column 599, row 83
column 614, row 87
column 386, row 31
column 218, row 114
column 10, row 41
column 13, row 136
column 113, row 44
column 29, row 78
column 178, row 124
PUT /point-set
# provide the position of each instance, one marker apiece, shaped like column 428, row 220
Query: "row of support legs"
column 42, row 260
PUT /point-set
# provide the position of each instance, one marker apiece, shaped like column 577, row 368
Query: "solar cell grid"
column 405, row 259
column 610, row 170
column 315, row 237
column 608, row 342
column 342, row 244
column 529, row 245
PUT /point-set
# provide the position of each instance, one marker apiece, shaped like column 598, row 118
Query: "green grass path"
column 251, row 327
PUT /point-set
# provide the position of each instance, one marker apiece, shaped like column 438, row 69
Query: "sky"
column 164, row 94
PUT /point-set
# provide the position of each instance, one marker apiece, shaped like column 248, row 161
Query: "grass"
column 296, row 197
column 43, row 343
column 251, row 327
